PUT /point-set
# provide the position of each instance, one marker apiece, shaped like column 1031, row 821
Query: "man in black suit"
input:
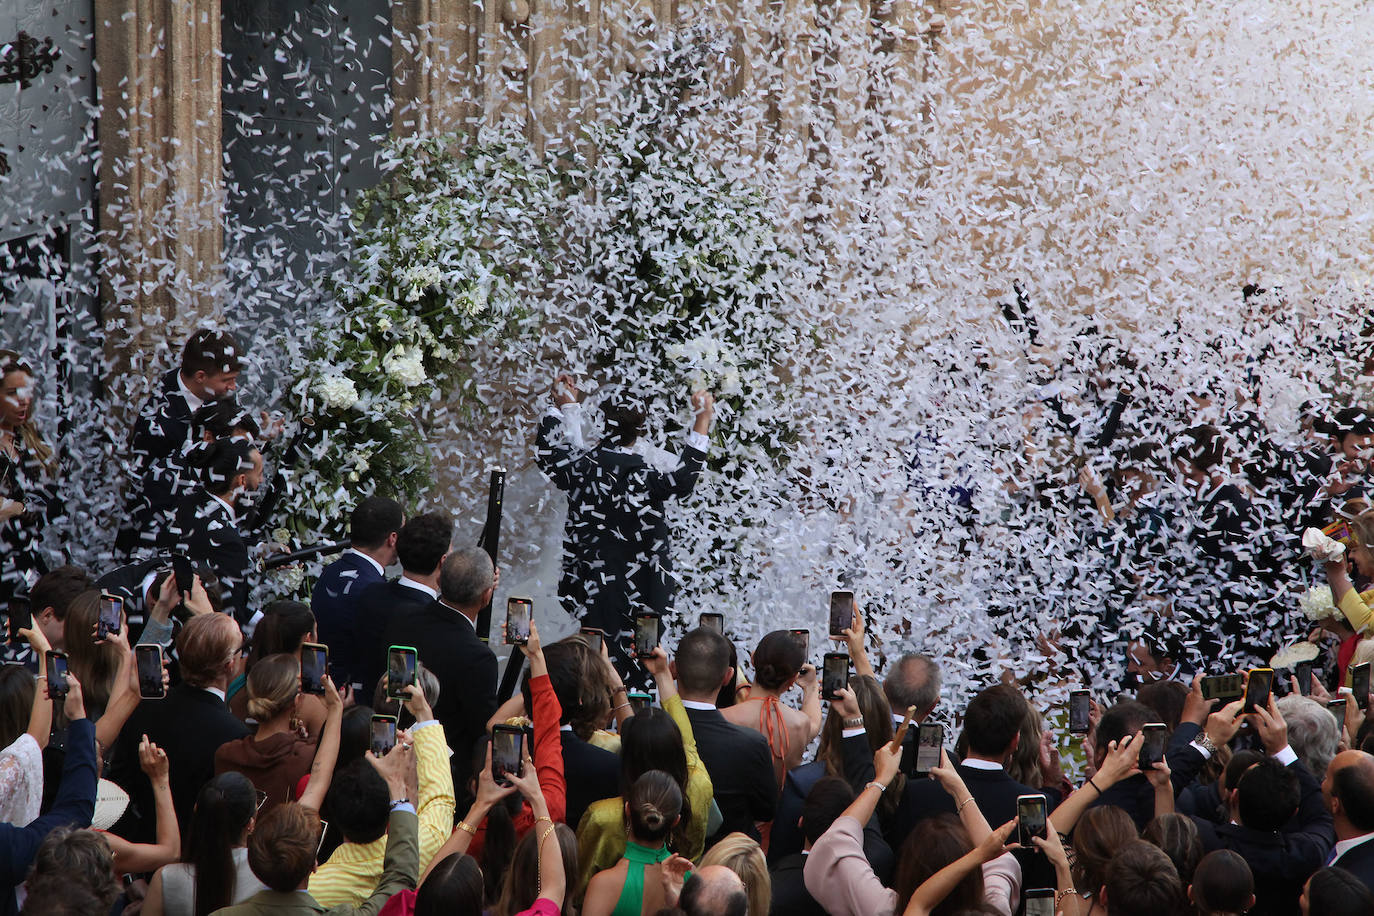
column 826, row 801
column 444, row 633
column 372, row 530
column 209, row 371
column 190, row 724
column 1284, row 831
column 206, row 525
column 1348, row 791
column 421, row 545
column 737, row 759
column 992, row 727
column 617, row 560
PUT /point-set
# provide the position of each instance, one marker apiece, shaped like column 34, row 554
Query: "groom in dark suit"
column 1348, row 791
column 617, row 559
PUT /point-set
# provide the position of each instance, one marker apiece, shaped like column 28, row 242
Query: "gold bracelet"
column 622, row 706
column 960, row 808
column 543, row 817
column 464, row 825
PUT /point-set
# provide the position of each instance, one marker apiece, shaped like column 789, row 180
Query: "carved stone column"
column 161, row 172
column 437, row 82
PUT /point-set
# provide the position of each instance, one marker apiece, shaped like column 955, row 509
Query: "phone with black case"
column 1223, row 687
column 710, row 620
column 56, row 665
column 1302, row 672
column 648, row 632
column 314, row 666
column 1080, row 712
column 1033, row 814
column 1359, row 684
column 20, row 617
column 148, row 661
column 841, row 612
column 834, row 674
column 383, row 731
column 507, row 746
column 110, row 616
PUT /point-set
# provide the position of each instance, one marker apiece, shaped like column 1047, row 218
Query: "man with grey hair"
column 913, row 681
column 444, row 633
column 1312, row 732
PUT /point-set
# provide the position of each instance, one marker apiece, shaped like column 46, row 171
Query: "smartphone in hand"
column 841, row 613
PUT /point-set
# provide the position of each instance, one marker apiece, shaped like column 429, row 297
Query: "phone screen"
column 111, row 613
column 646, row 634
column 594, row 637
column 930, row 739
column 149, row 662
column 1337, row 709
column 639, row 701
column 1039, row 902
column 1257, row 688
column 803, row 638
column 314, row 664
column 185, row 573
column 1033, row 813
column 841, row 612
column 834, row 674
column 383, row 734
column 57, row 674
column 1152, row 745
column 1080, row 712
column 400, row 670
column 319, row 847
column 506, row 743
column 20, row 617
column 1225, row 687
column 1359, row 684
column 1303, row 672
column 518, row 621
column 712, row 621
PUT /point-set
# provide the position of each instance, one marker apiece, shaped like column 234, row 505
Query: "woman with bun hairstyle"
column 779, row 665
column 279, row 753
column 285, row 626
column 633, row 886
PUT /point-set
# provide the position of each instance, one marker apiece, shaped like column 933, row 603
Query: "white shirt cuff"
column 1286, row 756
column 853, row 732
column 425, row 724
column 1206, row 754
column 699, row 441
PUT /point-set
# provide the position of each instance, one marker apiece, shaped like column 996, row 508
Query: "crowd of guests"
column 736, row 790
column 240, row 785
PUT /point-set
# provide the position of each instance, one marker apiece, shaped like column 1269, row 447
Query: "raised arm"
column 938, row 886
column 553, row 881
column 854, row 639
column 969, row 815
column 327, row 750
column 548, row 742
column 1123, row 760
column 133, row 858
column 40, row 716
column 488, row 794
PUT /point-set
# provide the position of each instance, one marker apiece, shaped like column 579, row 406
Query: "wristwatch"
column 856, row 722
column 1205, row 743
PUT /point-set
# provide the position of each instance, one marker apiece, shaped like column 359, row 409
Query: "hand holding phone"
column 1032, row 812
column 383, row 730
column 518, row 613
column 1080, row 712
column 507, row 752
column 56, row 665
column 1154, row 739
column 841, row 613
column 834, row 674
column 314, row 665
column 1257, row 688
column 402, row 671
column 648, row 632
column 148, row 661
column 110, row 617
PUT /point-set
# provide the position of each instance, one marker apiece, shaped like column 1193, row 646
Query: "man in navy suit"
column 209, row 371
column 617, row 559
column 444, row 633
column 421, row 546
column 373, row 528
column 1348, row 791
column 205, row 527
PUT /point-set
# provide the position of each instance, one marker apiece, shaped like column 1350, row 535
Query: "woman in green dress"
column 633, row 887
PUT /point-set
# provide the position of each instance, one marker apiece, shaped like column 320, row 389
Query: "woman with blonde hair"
column 280, row 752
column 28, row 472
column 743, row 856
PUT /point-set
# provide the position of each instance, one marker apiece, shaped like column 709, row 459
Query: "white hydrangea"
column 1318, row 604
column 406, row 365
column 337, row 392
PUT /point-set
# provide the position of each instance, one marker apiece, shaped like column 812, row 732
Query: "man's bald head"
column 1349, row 789
column 714, row 891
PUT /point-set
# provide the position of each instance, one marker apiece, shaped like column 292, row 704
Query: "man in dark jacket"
column 190, row 724
column 444, row 634
column 209, row 371
column 373, row 529
column 617, row 560
column 1348, row 791
column 421, row 545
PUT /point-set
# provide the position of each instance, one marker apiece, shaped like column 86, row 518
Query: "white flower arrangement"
column 406, row 366
column 337, row 392
column 1318, row 604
